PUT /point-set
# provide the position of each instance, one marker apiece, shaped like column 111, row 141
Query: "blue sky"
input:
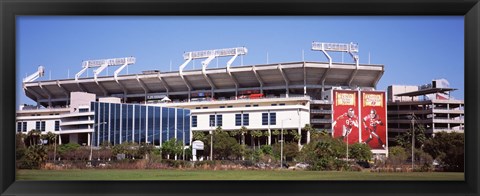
column 414, row 50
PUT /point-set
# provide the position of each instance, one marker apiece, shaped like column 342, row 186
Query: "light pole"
column 281, row 144
column 211, row 140
column 413, row 138
column 91, row 140
column 183, row 141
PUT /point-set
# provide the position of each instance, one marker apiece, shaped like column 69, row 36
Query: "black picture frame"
column 9, row 9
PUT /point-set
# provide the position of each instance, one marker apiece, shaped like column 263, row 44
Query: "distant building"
column 430, row 104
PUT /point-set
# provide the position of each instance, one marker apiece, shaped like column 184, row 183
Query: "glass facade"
column 116, row 123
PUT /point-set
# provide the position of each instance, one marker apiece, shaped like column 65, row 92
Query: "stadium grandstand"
column 154, row 106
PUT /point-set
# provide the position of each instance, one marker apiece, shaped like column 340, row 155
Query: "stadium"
column 153, row 106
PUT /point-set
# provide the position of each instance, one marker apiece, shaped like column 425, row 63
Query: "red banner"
column 373, row 119
column 345, row 115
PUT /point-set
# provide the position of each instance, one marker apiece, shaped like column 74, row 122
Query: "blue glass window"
column 186, row 120
column 212, row 120
column 238, row 119
column 264, row 118
column 57, row 125
column 180, row 130
column 136, row 124
column 273, row 118
column 171, row 123
column 111, row 124
column 42, row 128
column 118, row 119
column 194, row 121
column 164, row 124
column 157, row 119
column 24, row 128
column 246, row 119
column 143, row 125
column 130, row 121
column 19, row 127
column 150, row 124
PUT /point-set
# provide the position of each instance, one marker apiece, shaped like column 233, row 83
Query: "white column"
column 269, row 136
column 88, row 140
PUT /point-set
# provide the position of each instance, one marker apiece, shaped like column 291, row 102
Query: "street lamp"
column 211, row 140
column 91, row 140
column 281, row 144
column 413, row 117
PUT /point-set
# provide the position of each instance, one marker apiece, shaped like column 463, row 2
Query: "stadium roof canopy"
column 268, row 76
column 426, row 92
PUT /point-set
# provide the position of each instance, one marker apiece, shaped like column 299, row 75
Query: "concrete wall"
column 397, row 89
column 299, row 115
column 110, row 100
column 80, row 99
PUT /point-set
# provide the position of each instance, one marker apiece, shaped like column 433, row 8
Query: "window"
column 256, row 105
column 281, row 104
column 247, row 106
column 212, row 120
column 43, row 126
column 246, row 119
column 57, row 125
column 83, row 110
column 238, row 119
column 194, row 121
column 24, row 128
column 264, row 118
column 198, row 108
column 273, row 118
column 274, row 104
column 19, row 127
column 229, row 106
column 219, row 120
column 222, row 106
column 37, row 125
column 205, row 107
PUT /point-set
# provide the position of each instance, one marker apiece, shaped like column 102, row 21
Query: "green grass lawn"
column 151, row 174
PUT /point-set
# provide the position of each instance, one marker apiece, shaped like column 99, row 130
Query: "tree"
column 199, row 135
column 276, row 132
column 243, row 130
column 34, row 136
column 234, row 133
column 224, row 146
column 397, row 155
column 257, row 134
column 324, row 153
column 35, row 157
column 405, row 139
column 172, row 147
column 130, row 149
column 20, row 147
column 295, row 135
column 447, row 149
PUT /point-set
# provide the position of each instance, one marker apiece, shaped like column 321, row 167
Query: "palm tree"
column 276, row 132
column 243, row 130
column 257, row 134
column 198, row 135
column 34, row 136
column 234, row 133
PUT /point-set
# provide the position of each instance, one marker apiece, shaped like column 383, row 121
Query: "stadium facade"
column 264, row 97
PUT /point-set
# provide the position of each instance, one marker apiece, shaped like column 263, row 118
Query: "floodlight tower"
column 102, row 64
column 210, row 55
column 39, row 73
column 350, row 48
